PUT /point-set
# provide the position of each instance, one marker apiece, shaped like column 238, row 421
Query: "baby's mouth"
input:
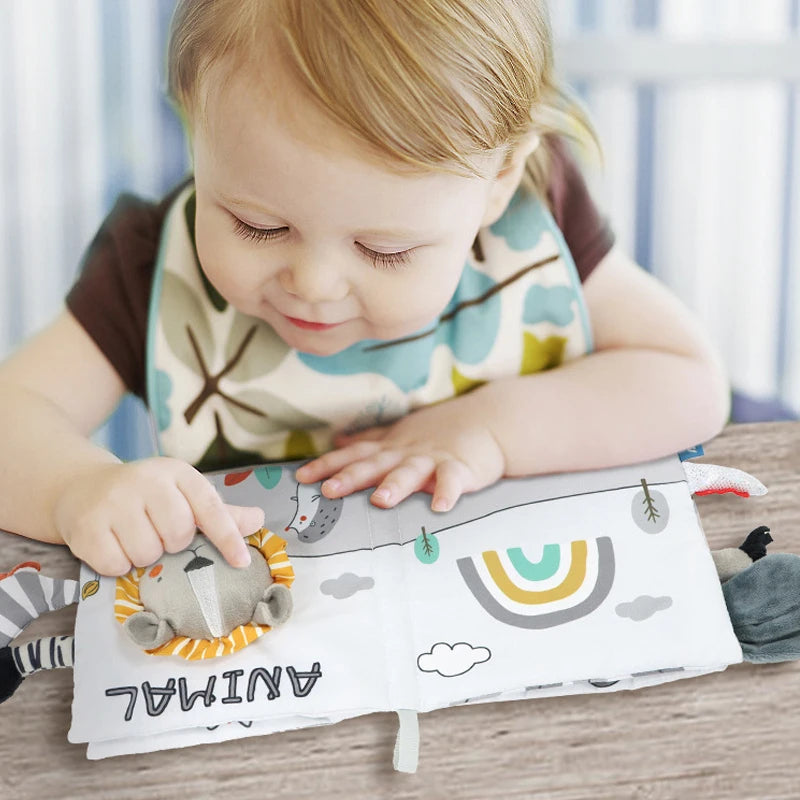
column 312, row 326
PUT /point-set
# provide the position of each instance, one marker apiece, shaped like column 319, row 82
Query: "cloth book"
column 585, row 582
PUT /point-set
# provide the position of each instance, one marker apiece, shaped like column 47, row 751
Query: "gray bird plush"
column 196, row 593
column 762, row 593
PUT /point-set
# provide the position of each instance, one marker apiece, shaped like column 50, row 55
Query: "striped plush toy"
column 24, row 596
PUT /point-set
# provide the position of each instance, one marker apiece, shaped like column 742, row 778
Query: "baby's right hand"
column 115, row 516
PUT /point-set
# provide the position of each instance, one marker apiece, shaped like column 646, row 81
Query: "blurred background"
column 696, row 103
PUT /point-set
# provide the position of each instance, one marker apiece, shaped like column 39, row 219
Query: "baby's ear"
column 508, row 178
column 147, row 630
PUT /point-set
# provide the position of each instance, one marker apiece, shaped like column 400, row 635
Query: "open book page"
column 545, row 585
column 592, row 579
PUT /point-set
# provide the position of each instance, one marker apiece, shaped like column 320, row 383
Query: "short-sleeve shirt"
column 111, row 295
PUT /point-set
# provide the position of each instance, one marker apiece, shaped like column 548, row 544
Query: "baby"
column 386, row 260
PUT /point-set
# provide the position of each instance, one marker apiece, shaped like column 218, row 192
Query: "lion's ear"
column 275, row 606
column 147, row 630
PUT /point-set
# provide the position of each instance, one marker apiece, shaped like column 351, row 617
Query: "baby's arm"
column 653, row 386
column 57, row 486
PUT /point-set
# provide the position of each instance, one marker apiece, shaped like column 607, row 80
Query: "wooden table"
column 734, row 734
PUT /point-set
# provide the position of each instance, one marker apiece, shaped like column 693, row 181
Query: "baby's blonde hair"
column 429, row 83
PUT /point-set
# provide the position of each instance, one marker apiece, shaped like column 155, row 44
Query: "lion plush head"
column 194, row 604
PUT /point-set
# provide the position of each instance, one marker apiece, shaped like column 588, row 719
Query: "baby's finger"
column 138, row 539
column 213, row 518
column 106, row 556
column 367, row 435
column 335, row 460
column 449, row 485
column 173, row 519
column 248, row 519
column 361, row 474
column 398, row 484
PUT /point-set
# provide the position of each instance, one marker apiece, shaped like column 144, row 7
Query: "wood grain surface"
column 734, row 734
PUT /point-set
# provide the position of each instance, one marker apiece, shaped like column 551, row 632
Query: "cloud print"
column 451, row 660
column 346, row 585
column 643, row 607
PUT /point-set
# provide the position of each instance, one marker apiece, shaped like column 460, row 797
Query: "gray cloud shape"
column 643, row 606
column 451, row 660
column 346, row 585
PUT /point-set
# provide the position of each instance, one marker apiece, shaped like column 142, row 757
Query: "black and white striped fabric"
column 26, row 595
column 49, row 652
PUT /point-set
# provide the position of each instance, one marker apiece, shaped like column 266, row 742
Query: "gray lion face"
column 196, row 593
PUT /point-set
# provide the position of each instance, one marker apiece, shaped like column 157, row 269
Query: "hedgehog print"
column 315, row 515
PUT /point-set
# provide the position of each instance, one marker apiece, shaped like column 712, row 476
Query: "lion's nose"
column 198, row 562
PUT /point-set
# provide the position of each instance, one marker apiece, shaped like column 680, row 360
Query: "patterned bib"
column 225, row 390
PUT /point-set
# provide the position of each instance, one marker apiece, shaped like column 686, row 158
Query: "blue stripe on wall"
column 10, row 249
column 789, row 211
column 587, row 14
column 173, row 141
column 747, row 409
column 112, row 31
column 645, row 16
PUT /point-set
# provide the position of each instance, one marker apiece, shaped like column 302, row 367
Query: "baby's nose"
column 314, row 280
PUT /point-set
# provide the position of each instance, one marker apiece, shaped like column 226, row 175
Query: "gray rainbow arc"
column 602, row 586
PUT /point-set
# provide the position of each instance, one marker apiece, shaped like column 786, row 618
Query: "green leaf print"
column 268, row 477
column 462, row 384
column 538, row 354
column 263, row 348
column 186, row 313
column 221, row 454
column 426, row 547
column 299, row 445
column 276, row 414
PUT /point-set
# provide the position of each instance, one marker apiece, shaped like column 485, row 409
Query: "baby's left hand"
column 445, row 449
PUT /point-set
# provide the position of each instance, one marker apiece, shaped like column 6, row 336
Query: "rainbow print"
column 569, row 581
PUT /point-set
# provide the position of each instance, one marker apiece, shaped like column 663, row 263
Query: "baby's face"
column 298, row 224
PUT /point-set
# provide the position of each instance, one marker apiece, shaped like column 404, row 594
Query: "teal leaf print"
column 426, row 547
column 268, row 477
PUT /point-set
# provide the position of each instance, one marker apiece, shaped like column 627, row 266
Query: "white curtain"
column 83, row 117
column 702, row 178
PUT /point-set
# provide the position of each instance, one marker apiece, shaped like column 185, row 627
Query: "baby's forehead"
column 269, row 87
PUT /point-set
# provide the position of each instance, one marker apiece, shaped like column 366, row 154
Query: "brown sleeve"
column 586, row 231
column 111, row 295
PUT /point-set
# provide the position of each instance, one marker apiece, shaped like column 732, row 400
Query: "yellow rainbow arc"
column 573, row 580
